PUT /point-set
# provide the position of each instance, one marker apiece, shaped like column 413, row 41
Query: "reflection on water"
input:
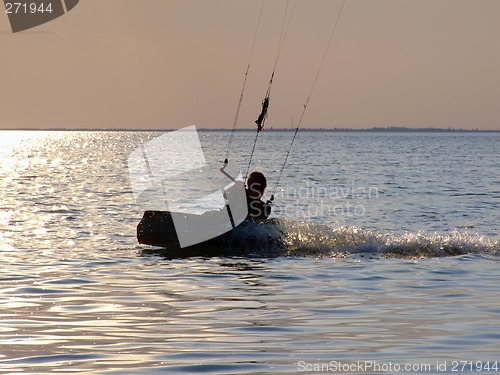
column 243, row 315
column 78, row 295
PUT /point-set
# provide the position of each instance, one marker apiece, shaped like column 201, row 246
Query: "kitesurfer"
column 256, row 185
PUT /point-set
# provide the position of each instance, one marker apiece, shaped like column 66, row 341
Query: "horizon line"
column 271, row 129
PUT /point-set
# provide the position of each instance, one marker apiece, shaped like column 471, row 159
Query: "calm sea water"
column 392, row 265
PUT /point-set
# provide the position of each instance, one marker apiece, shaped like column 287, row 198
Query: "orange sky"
column 168, row 64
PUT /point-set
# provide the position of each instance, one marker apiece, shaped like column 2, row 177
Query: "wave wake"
column 308, row 239
column 278, row 237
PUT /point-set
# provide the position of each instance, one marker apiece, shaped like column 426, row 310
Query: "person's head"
column 256, row 183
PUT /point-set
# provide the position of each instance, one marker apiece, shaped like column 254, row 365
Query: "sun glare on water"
column 13, row 138
column 22, row 157
column 13, row 145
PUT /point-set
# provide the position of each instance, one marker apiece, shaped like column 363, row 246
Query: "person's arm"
column 267, row 209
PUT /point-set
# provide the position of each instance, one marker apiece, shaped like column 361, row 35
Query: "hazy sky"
column 168, row 64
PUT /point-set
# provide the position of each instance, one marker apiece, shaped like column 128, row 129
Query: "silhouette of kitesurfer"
column 256, row 185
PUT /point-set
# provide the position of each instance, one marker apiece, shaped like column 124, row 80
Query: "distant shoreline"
column 394, row 129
